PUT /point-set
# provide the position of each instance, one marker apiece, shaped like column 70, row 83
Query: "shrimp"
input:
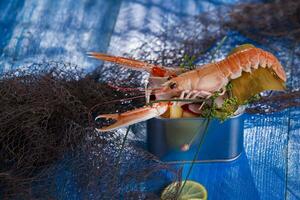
column 201, row 82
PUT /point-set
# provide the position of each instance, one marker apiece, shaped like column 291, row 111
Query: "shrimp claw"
column 133, row 116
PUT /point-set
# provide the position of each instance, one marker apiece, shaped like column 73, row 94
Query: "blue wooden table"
column 46, row 30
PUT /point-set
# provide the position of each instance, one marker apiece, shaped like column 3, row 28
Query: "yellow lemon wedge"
column 250, row 84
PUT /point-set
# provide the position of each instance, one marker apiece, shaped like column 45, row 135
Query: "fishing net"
column 46, row 132
column 49, row 148
column 259, row 21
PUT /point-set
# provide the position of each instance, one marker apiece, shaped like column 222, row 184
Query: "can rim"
column 221, row 160
column 240, row 111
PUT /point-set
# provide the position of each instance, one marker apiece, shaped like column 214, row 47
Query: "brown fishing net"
column 49, row 148
column 47, row 140
column 275, row 18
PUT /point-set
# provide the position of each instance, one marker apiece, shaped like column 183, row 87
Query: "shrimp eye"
column 172, row 85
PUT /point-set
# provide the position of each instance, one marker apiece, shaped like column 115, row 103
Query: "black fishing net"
column 49, row 148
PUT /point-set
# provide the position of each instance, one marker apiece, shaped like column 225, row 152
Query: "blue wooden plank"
column 293, row 169
column 260, row 172
column 46, row 30
column 140, row 20
column 293, row 159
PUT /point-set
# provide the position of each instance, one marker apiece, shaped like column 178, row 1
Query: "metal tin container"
column 178, row 140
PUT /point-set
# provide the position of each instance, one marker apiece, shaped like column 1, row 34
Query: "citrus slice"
column 176, row 111
column 190, row 191
column 259, row 80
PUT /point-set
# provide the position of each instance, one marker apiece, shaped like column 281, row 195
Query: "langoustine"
column 200, row 83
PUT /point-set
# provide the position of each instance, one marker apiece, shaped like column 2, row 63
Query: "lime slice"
column 191, row 191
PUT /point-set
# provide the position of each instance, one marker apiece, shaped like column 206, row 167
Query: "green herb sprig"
column 188, row 62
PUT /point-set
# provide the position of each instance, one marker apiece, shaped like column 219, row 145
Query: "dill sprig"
column 188, row 62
